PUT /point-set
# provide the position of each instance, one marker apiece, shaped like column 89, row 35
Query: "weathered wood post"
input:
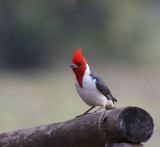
column 122, row 125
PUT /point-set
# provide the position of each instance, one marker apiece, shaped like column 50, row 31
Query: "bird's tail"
column 110, row 97
column 115, row 100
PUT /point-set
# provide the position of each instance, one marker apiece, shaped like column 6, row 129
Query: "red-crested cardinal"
column 89, row 86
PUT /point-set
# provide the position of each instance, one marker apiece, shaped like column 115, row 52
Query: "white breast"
column 89, row 92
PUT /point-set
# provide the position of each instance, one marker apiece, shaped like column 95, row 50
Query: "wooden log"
column 129, row 124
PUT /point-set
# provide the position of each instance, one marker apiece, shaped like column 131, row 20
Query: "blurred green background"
column 120, row 40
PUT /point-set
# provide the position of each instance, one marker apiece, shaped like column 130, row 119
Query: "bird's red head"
column 78, row 65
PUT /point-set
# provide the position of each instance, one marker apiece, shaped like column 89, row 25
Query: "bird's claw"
column 79, row 116
column 82, row 114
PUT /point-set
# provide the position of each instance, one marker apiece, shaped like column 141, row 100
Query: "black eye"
column 79, row 64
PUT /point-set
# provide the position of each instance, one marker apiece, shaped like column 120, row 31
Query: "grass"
column 35, row 98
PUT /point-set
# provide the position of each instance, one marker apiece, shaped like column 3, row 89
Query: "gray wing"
column 103, row 88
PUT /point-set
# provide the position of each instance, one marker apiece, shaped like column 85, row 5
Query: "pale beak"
column 73, row 65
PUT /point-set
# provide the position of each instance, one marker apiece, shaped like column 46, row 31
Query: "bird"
column 89, row 86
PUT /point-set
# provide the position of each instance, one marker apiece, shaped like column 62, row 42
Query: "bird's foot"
column 100, row 108
column 82, row 114
column 95, row 111
column 79, row 115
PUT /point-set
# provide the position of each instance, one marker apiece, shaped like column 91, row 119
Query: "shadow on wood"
column 129, row 124
column 124, row 145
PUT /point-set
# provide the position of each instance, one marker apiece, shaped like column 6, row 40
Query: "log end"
column 136, row 124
